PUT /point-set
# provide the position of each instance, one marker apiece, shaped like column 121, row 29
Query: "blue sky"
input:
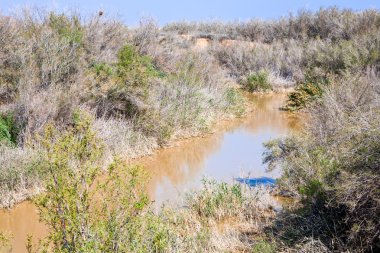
column 174, row 10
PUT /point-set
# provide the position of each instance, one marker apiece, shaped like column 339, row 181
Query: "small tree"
column 83, row 214
column 72, row 165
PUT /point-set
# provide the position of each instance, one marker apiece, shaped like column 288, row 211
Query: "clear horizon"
column 169, row 10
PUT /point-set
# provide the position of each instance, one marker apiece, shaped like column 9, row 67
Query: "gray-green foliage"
column 188, row 100
column 121, row 89
column 68, row 28
column 86, row 215
column 51, row 64
column 333, row 166
column 327, row 23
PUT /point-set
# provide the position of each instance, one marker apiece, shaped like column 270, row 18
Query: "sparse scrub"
column 146, row 36
column 188, row 100
column 141, row 88
column 335, row 171
column 280, row 59
column 222, row 213
column 52, row 64
column 325, row 60
column 327, row 23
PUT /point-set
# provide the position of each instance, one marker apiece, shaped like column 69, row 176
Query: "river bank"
column 178, row 169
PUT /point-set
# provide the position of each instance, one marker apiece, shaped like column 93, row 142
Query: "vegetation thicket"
column 76, row 95
column 52, row 65
column 334, row 168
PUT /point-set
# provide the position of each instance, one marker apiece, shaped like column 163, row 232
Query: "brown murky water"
column 19, row 222
column 235, row 149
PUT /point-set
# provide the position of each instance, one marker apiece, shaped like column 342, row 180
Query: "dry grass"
column 20, row 178
column 122, row 140
column 281, row 59
column 221, row 218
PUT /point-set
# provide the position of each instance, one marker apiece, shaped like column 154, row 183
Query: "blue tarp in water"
column 266, row 181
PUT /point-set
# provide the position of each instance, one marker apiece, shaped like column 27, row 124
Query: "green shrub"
column 68, row 28
column 122, row 88
column 303, row 95
column 103, row 69
column 263, row 247
column 257, row 82
column 217, row 200
column 134, row 69
column 235, row 101
column 8, row 130
column 84, row 215
column 312, row 190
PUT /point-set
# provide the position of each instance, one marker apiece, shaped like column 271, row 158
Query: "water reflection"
column 234, row 150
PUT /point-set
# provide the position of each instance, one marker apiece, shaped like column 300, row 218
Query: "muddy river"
column 234, row 149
